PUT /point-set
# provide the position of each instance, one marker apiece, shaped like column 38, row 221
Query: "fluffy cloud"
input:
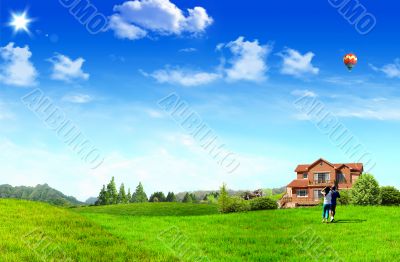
column 183, row 77
column 248, row 61
column 134, row 19
column 296, row 64
column 17, row 69
column 77, row 98
column 123, row 29
column 390, row 70
column 66, row 69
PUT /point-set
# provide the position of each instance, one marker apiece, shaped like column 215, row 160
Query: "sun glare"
column 20, row 22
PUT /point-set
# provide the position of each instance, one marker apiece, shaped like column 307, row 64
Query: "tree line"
column 109, row 195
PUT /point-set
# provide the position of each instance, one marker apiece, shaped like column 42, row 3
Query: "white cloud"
column 66, row 69
column 183, row 77
column 303, row 93
column 123, row 29
column 77, row 98
column 134, row 19
column 296, row 64
column 390, row 70
column 248, row 61
column 17, row 69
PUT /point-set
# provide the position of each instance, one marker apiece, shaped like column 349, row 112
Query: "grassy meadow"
column 193, row 232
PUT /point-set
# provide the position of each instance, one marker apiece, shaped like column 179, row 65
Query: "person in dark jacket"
column 335, row 195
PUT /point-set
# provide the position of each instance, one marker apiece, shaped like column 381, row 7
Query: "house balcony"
column 323, row 182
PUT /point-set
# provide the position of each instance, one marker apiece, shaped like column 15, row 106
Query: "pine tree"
column 129, row 196
column 139, row 196
column 159, row 196
column 223, row 199
column 171, row 197
column 102, row 199
column 122, row 198
column 187, row 198
column 112, row 192
column 193, row 197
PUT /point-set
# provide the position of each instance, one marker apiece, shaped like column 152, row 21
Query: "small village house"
column 306, row 189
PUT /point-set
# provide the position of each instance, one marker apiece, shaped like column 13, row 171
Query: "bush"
column 211, row 199
column 366, row 191
column 345, row 197
column 227, row 204
column 237, row 204
column 390, row 196
column 263, row 203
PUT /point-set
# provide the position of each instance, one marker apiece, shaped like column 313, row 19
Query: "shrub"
column 390, row 196
column 263, row 203
column 211, row 199
column 366, row 191
column 227, row 204
column 237, row 204
column 345, row 197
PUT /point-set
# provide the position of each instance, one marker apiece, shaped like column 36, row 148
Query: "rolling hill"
column 42, row 193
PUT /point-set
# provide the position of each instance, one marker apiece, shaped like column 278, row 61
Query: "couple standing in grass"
column 329, row 207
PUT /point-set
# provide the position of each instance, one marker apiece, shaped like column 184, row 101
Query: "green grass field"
column 189, row 232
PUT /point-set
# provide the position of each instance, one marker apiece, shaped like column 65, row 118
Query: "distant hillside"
column 43, row 193
column 91, row 200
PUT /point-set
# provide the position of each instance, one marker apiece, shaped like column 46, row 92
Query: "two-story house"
column 312, row 178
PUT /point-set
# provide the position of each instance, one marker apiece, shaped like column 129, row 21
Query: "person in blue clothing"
column 327, row 193
column 335, row 195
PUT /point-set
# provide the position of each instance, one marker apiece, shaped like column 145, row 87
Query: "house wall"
column 310, row 196
column 321, row 166
column 300, row 175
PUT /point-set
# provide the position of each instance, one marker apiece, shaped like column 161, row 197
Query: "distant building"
column 306, row 189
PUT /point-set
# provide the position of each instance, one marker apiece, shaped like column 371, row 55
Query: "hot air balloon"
column 350, row 60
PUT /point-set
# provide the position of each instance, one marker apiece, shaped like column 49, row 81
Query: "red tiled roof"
column 352, row 166
column 301, row 168
column 298, row 183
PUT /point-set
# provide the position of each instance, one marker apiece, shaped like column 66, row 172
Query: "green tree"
column 390, row 196
column 102, row 199
column 366, row 191
column 171, row 197
column 139, row 196
column 129, row 196
column 122, row 198
column 223, row 199
column 194, row 198
column 112, row 192
column 187, row 198
column 159, row 196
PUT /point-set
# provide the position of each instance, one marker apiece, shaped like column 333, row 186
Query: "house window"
column 341, row 178
column 302, row 192
column 317, row 194
column 305, row 175
column 321, row 177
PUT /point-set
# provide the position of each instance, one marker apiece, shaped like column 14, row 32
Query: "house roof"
column 298, row 183
column 352, row 166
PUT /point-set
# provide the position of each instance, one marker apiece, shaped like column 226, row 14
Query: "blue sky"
column 239, row 65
